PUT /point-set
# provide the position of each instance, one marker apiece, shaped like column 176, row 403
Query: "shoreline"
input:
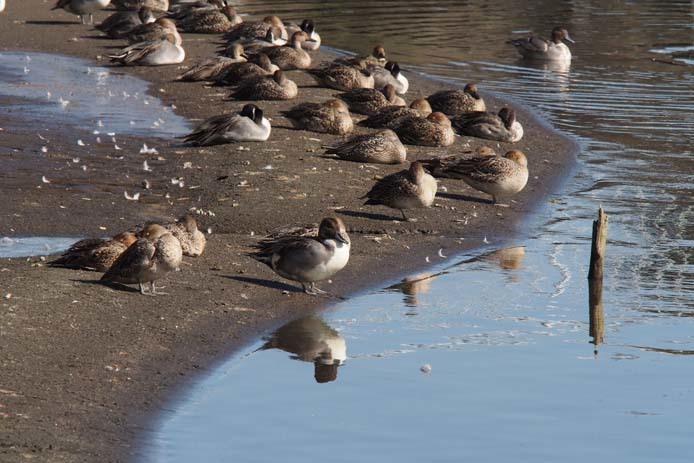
column 88, row 370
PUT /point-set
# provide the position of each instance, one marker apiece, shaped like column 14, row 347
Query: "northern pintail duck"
column 307, row 259
column 501, row 127
column 183, row 10
column 122, row 23
column 492, row 174
column 185, row 230
column 256, row 29
column 408, row 189
column 82, row 8
column 256, row 44
column 307, row 25
column 290, row 56
column 331, row 116
column 342, row 77
column 433, row 130
column 390, row 75
column 2, row 5
column 390, row 116
column 94, row 254
column 211, row 21
column 212, row 68
column 537, row 48
column 382, row 147
column 148, row 259
column 152, row 53
column 156, row 30
column 455, row 102
column 157, row 5
column 370, row 101
column 376, row 58
column 248, row 125
column 274, row 87
column 310, row 339
column 237, row 73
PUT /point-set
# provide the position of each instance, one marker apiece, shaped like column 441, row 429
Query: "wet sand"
column 87, row 368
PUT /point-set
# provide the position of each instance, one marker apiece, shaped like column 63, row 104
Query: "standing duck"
column 370, row 101
column 492, row 174
column 382, row 147
column 94, row 254
column 275, row 87
column 331, row 116
column 82, row 8
column 455, row 102
column 290, row 56
column 307, row 259
column 342, row 77
column 433, row 130
column 501, row 127
column 537, row 48
column 148, row 259
column 186, row 231
column 408, row 189
column 248, row 125
column 390, row 116
column 390, row 75
column 151, row 53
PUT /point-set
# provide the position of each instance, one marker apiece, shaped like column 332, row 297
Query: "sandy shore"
column 86, row 368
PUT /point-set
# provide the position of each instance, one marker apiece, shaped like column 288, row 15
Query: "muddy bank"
column 86, row 367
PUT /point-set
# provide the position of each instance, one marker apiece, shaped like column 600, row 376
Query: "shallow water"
column 505, row 331
column 46, row 89
column 26, row 246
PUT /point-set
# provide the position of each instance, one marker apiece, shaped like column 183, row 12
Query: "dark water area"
column 487, row 357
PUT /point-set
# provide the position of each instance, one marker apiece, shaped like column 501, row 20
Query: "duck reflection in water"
column 310, row 339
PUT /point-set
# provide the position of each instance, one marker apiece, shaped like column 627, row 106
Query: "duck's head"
column 421, row 105
column 264, row 62
column 236, row 51
column 338, row 106
column 248, row 111
column 389, row 134
column 308, row 26
column 146, row 16
column 166, row 23
column 471, row 89
column 299, row 37
column 154, row 231
column 439, row 119
column 273, row 21
column 379, row 53
column 389, row 92
column 393, row 68
column 560, row 34
column 507, row 115
column 189, row 223
column 279, row 77
column 417, row 171
column 230, row 12
column 127, row 238
column 333, row 228
column 518, row 157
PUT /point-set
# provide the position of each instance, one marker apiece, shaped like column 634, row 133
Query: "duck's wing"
column 533, row 43
column 480, row 168
column 214, row 128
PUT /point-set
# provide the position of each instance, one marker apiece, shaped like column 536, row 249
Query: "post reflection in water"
column 310, row 339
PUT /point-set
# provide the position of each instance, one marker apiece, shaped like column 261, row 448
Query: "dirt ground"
column 86, row 368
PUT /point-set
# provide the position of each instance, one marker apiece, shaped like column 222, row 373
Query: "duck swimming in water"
column 536, row 48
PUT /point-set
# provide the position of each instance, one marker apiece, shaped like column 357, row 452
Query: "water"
column 505, row 329
column 53, row 89
column 26, row 246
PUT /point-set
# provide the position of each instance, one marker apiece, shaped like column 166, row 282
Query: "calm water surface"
column 486, row 357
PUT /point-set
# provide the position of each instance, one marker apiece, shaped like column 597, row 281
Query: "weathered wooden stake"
column 597, row 250
column 597, row 256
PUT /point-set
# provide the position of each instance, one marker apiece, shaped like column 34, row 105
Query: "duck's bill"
column 342, row 238
column 569, row 39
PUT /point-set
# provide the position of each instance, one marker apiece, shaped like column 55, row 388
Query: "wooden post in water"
column 597, row 255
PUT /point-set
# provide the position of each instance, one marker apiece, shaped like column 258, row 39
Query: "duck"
column 390, row 75
column 237, row 73
column 247, row 125
column 274, row 87
column 211, row 21
column 256, row 29
column 152, row 53
column 2, row 6
column 156, row 5
column 455, row 102
column 212, row 68
column 342, row 77
column 93, row 253
column 155, row 31
column 536, row 48
column 185, row 230
column 370, row 101
column 307, row 259
column 487, row 172
column 310, row 339
column 408, row 189
column 382, row 147
column 433, row 130
column 148, row 259
column 332, row 116
column 183, row 10
column 82, row 8
column 499, row 127
column 390, row 116
column 290, row 56
column 121, row 23
column 377, row 58
column 307, row 25
column 256, row 44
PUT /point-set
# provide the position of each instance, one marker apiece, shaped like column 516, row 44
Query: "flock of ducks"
column 254, row 64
